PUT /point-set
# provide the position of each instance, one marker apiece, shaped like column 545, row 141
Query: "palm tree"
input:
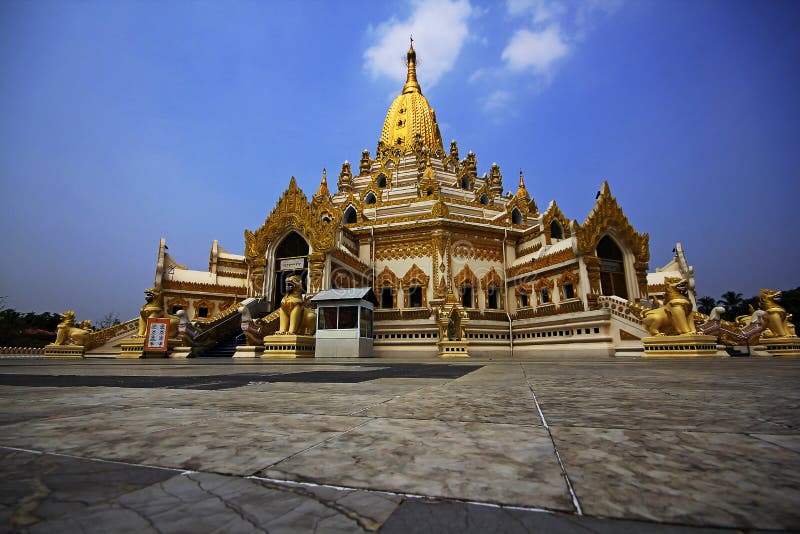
column 706, row 304
column 733, row 303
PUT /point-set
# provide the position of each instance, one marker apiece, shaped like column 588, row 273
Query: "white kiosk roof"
column 349, row 293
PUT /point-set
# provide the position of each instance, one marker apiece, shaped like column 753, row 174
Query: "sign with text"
column 292, row 264
column 157, row 334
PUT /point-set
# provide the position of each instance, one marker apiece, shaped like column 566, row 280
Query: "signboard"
column 292, row 264
column 157, row 333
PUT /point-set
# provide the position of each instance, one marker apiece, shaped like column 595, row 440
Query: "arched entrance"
column 612, row 268
column 291, row 258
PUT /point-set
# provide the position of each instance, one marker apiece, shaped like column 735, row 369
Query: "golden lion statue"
column 295, row 317
column 67, row 333
column 675, row 315
column 154, row 309
column 776, row 320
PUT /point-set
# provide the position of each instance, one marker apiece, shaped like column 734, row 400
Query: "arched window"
column 466, row 294
column 370, row 198
column 612, row 268
column 484, row 199
column 465, row 182
column 556, row 232
column 492, row 297
column 387, row 295
column 516, row 216
column 292, row 246
column 350, row 215
column 415, row 295
column 381, row 180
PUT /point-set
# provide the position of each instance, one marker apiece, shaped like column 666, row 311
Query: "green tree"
column 706, row 304
column 733, row 303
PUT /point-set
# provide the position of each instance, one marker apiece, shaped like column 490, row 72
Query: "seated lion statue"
column 675, row 315
column 154, row 309
column 776, row 320
column 67, row 333
column 294, row 316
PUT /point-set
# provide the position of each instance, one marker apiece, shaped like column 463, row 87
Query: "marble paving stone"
column 238, row 443
column 68, row 433
column 716, row 479
column 370, row 508
column 202, row 502
column 18, row 411
column 789, row 442
column 464, row 402
column 465, row 460
column 645, row 412
column 416, row 516
column 381, row 386
column 39, row 487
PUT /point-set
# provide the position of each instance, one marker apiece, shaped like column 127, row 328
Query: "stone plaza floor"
column 400, row 445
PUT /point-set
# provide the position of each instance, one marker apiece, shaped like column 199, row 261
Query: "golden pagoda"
column 449, row 255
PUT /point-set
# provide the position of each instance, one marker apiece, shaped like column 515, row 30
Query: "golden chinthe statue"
column 675, row 315
column 68, row 333
column 154, row 309
column 295, row 317
column 777, row 321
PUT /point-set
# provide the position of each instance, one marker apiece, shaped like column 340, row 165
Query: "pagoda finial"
column 323, row 185
column 522, row 192
column 412, row 85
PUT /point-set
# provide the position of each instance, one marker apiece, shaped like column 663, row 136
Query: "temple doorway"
column 291, row 258
column 612, row 268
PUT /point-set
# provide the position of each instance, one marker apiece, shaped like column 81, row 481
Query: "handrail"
column 101, row 337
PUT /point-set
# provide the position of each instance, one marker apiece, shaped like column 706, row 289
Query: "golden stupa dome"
column 410, row 114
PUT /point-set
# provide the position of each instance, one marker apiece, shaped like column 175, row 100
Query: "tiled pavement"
column 571, row 445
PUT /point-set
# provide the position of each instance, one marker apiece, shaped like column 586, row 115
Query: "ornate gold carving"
column 387, row 277
column 542, row 263
column 353, row 263
column 464, row 275
column 477, row 250
column 554, row 213
column 402, row 249
column 416, row 277
column 292, row 211
column 544, row 283
column 492, row 278
column 607, row 215
column 203, row 288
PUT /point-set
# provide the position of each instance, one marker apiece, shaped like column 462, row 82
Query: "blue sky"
column 123, row 122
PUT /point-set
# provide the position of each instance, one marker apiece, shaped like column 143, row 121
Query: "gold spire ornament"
column 410, row 115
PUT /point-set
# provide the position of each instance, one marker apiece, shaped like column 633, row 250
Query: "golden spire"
column 428, row 174
column 412, row 85
column 522, row 192
column 323, row 186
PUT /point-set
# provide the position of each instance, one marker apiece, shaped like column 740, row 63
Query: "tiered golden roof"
column 410, row 114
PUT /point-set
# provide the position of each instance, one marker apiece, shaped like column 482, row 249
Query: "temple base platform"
column 133, row 348
column 453, row 349
column 289, row 346
column 779, row 346
column 64, row 351
column 248, row 351
column 681, row 346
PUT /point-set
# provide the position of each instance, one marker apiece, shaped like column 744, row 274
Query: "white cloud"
column 439, row 28
column 536, row 50
column 497, row 100
column 542, row 11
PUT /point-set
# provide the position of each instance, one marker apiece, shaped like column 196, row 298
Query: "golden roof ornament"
column 323, row 185
column 412, row 85
column 345, row 177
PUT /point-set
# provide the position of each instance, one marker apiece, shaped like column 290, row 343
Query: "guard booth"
column 345, row 322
